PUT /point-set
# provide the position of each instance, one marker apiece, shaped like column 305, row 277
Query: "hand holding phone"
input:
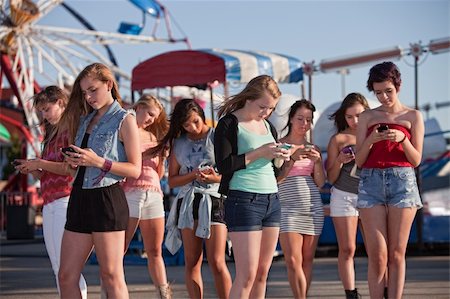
column 382, row 128
column 204, row 168
column 68, row 149
column 348, row 150
column 285, row 146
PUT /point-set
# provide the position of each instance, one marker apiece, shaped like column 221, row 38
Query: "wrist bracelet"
column 107, row 165
column 401, row 141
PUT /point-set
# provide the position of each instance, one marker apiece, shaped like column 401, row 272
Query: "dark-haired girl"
column 389, row 142
column 301, row 206
column 54, row 174
column 198, row 209
column 342, row 172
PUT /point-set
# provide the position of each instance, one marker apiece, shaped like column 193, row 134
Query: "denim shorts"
column 248, row 211
column 395, row 186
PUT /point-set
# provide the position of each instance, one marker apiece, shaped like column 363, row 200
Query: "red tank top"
column 386, row 153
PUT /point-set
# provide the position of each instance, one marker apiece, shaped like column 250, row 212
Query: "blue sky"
column 308, row 30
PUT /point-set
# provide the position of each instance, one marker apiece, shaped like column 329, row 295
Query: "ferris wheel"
column 30, row 51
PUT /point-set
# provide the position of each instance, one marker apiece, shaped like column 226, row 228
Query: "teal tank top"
column 258, row 176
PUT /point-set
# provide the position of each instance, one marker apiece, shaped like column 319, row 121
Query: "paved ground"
column 25, row 272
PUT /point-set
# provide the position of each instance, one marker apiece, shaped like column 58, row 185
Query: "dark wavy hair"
column 180, row 114
column 385, row 71
column 350, row 100
column 50, row 94
column 303, row 103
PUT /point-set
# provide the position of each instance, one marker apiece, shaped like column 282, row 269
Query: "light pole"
column 416, row 51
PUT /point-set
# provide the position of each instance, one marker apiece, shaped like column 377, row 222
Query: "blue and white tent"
column 194, row 68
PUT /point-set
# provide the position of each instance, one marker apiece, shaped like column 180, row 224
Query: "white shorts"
column 343, row 204
column 145, row 204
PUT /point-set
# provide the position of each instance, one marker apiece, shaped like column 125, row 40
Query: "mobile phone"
column 348, row 150
column 286, row 146
column 204, row 168
column 68, row 149
column 382, row 128
column 309, row 146
column 15, row 163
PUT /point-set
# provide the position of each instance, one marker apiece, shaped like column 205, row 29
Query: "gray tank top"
column 348, row 179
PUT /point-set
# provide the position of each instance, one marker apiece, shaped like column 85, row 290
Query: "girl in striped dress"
column 301, row 206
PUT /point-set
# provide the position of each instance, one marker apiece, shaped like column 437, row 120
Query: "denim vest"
column 104, row 141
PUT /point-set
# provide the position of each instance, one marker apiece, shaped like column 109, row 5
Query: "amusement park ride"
column 29, row 51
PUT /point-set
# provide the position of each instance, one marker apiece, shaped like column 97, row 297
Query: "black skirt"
column 102, row 209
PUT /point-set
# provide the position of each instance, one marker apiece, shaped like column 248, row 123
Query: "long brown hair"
column 77, row 105
column 180, row 114
column 49, row 95
column 349, row 101
column 252, row 91
column 303, row 103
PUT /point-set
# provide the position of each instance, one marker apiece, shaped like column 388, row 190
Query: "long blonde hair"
column 161, row 124
column 254, row 90
column 77, row 105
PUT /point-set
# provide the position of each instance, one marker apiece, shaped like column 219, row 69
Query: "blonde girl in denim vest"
column 106, row 150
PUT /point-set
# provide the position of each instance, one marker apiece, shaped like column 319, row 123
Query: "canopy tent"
column 199, row 67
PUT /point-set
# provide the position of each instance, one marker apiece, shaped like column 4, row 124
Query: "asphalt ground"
column 25, row 272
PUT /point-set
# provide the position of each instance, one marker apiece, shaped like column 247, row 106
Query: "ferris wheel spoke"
column 52, row 61
column 101, row 37
column 30, row 73
column 45, row 6
column 61, row 53
column 96, row 54
column 62, row 48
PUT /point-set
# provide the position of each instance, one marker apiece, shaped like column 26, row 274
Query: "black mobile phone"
column 382, row 128
column 68, row 149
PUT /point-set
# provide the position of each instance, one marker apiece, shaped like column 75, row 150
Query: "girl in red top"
column 389, row 144
column 56, row 181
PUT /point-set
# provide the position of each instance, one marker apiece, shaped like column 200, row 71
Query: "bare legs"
column 346, row 229
column 75, row 250
column 193, row 254
column 299, row 253
column 253, row 254
column 152, row 231
column 215, row 249
column 387, row 233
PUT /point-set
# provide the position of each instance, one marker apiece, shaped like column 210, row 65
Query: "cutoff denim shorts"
column 248, row 211
column 395, row 186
